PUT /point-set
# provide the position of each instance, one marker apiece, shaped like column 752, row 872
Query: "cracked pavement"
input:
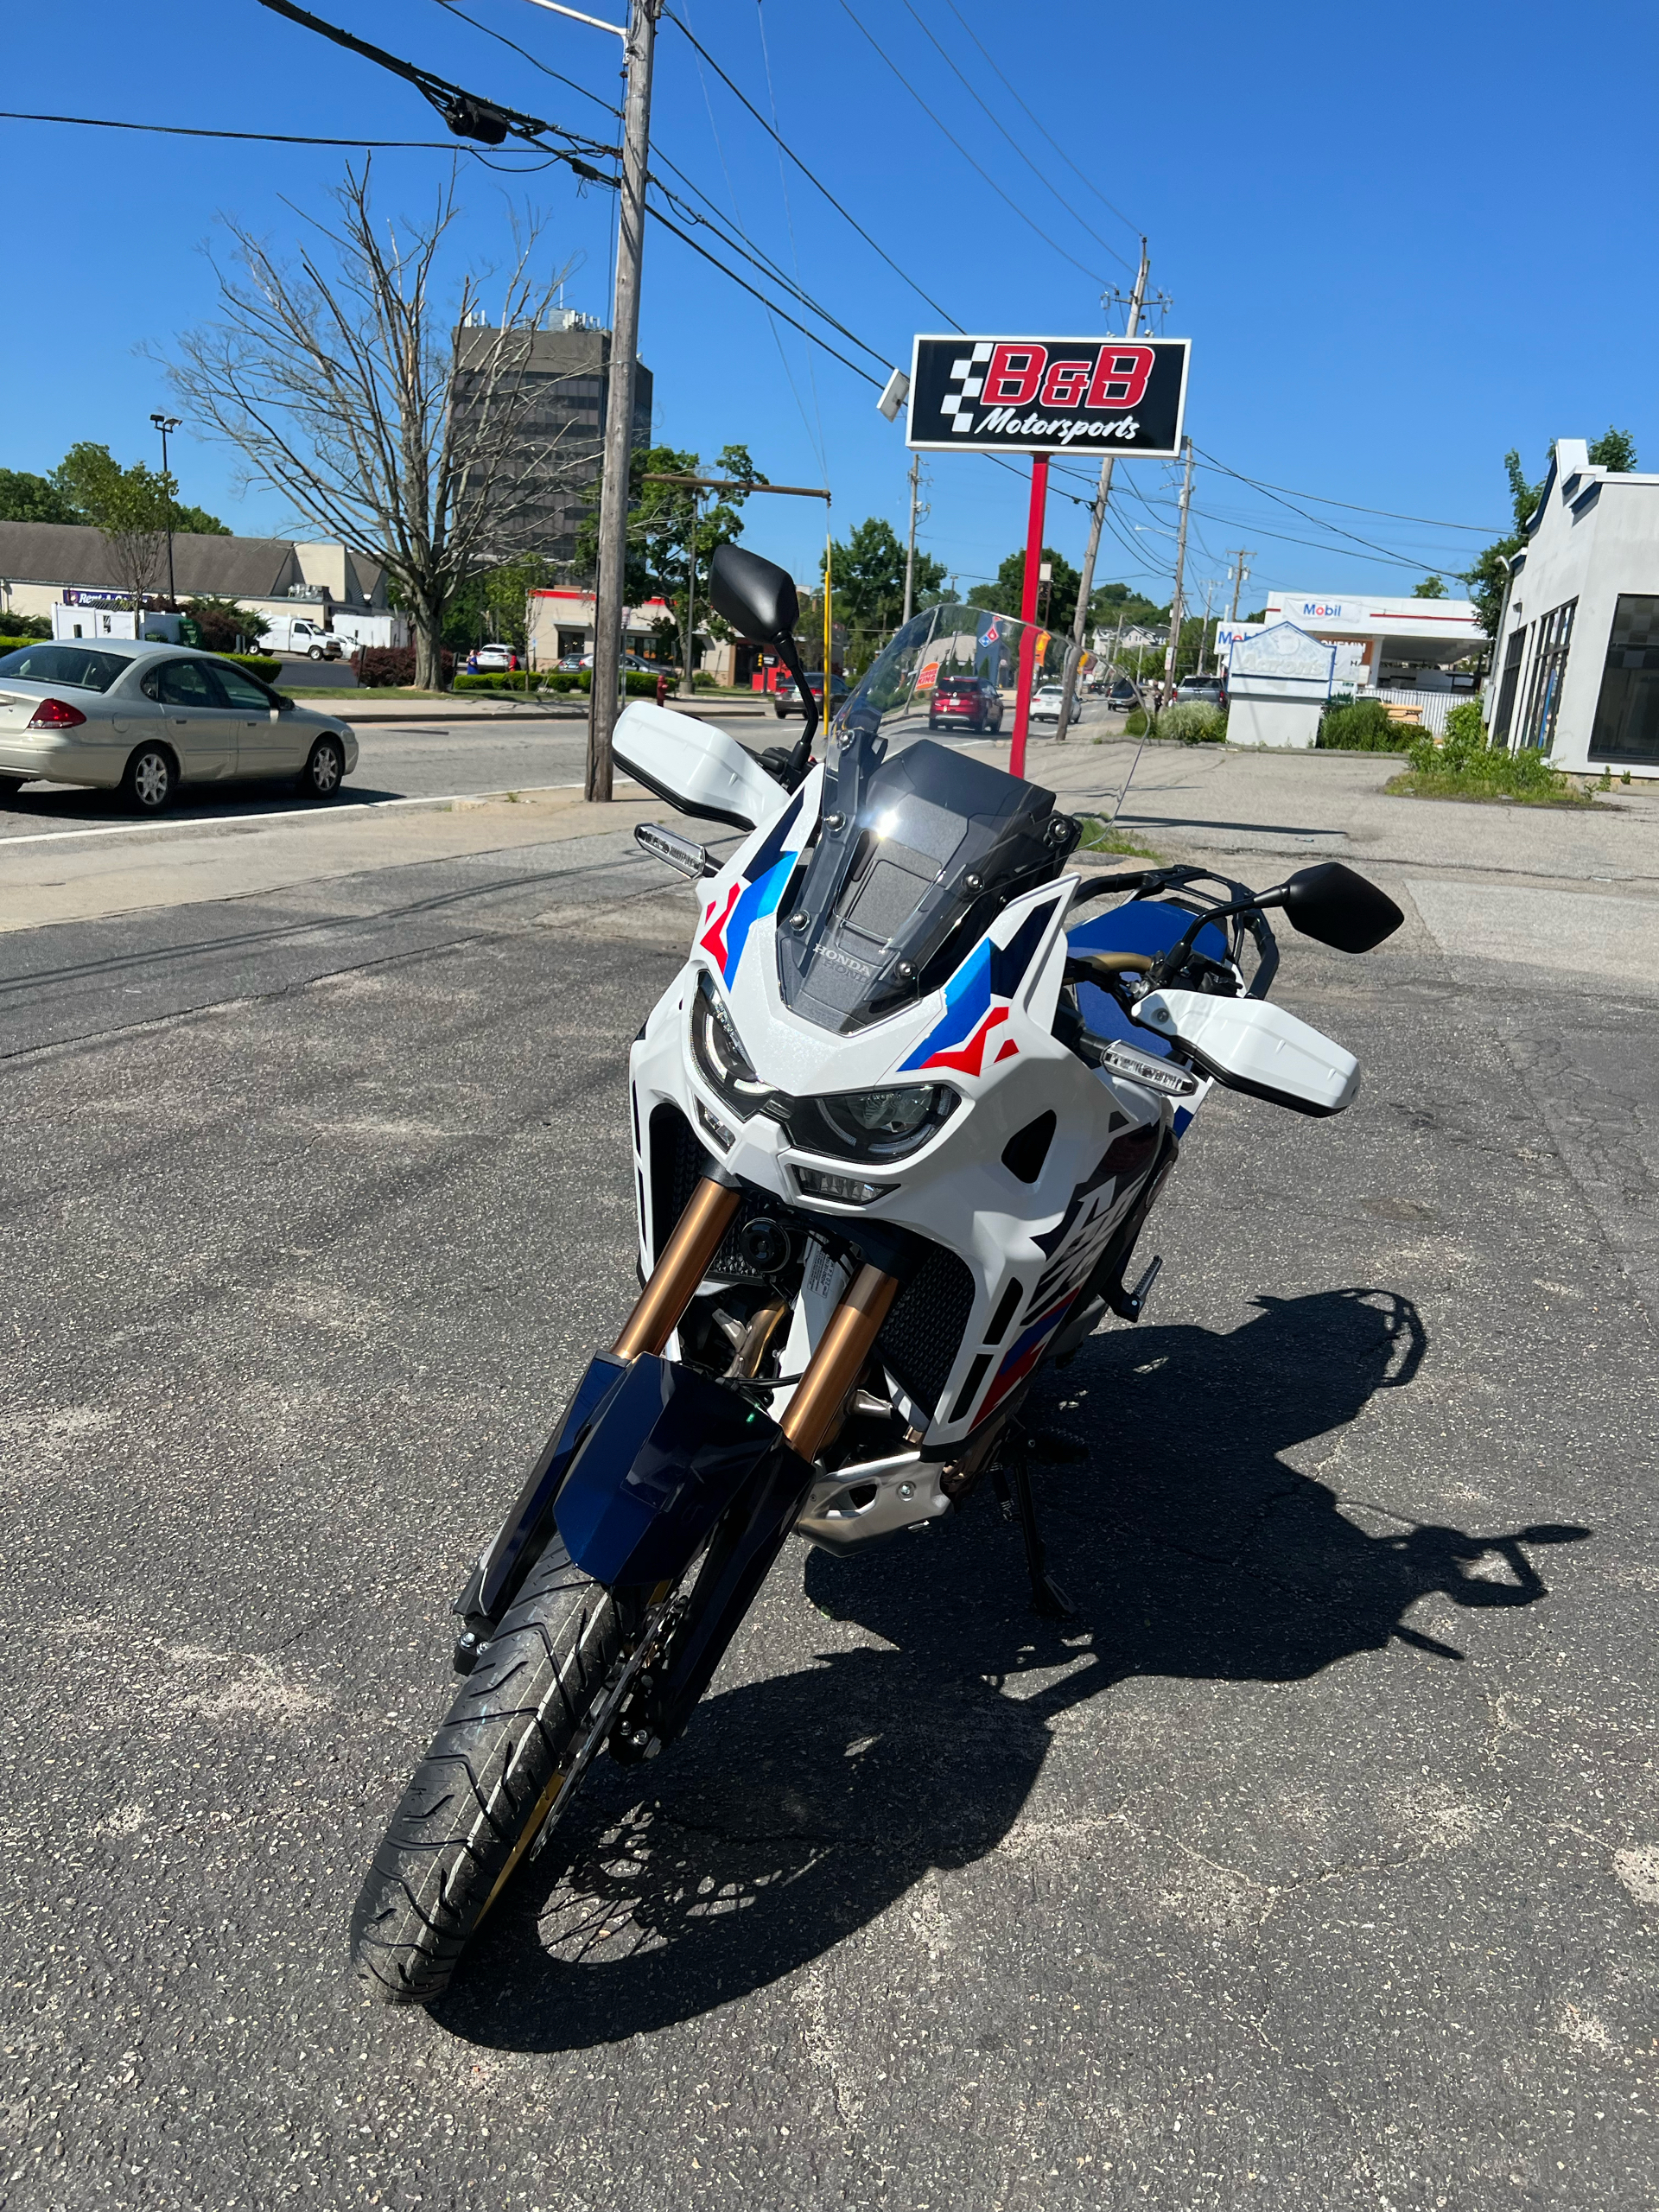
column 1315, row 1863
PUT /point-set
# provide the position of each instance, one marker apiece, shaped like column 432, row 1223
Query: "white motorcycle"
column 897, row 1128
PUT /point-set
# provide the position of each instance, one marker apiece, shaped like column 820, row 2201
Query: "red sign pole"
column 1028, row 613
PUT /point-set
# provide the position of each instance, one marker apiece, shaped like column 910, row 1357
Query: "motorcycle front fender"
column 664, row 1454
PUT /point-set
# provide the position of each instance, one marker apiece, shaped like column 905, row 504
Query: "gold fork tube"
column 684, row 1262
column 814, row 1414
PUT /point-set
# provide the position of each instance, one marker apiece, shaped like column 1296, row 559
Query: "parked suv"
column 974, row 700
column 784, row 700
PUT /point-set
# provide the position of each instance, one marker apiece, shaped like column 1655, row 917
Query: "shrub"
column 265, row 666
column 1194, row 722
column 222, row 622
column 1463, row 764
column 379, row 666
column 1362, row 726
column 492, row 680
column 25, row 630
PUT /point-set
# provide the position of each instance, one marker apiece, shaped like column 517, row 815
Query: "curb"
column 247, row 824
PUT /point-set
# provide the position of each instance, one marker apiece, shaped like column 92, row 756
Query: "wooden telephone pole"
column 1096, row 522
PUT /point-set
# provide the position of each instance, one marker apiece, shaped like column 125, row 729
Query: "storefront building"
column 1576, row 670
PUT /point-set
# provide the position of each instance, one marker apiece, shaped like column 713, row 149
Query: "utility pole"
column 1096, row 522
column 1170, row 669
column 690, row 686
column 910, row 547
column 619, row 415
column 1203, row 635
column 1241, row 556
column 165, row 423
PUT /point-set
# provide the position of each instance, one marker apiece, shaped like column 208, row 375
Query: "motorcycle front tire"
column 487, row 1786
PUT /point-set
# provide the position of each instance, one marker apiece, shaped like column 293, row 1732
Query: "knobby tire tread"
column 468, row 1803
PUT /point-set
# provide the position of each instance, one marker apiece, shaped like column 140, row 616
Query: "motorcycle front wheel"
column 510, row 1751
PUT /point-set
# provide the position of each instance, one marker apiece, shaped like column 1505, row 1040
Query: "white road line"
column 250, row 822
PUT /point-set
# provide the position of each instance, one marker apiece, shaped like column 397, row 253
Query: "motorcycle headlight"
column 725, row 1065
column 872, row 1124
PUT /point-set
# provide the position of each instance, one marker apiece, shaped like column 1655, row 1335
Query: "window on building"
column 1548, row 674
column 1506, row 687
column 1627, row 713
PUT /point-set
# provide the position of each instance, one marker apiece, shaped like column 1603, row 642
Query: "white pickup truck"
column 301, row 634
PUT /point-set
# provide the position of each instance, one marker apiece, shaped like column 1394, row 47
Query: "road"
column 414, row 760
column 1315, row 1864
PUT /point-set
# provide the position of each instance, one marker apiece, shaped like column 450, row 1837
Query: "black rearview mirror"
column 758, row 599
column 1338, row 908
column 756, row 596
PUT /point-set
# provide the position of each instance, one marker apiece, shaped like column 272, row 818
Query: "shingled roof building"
column 42, row 561
column 568, row 372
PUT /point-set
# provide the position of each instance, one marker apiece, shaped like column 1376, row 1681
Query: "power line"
column 1054, row 142
column 467, row 114
column 888, row 62
column 998, row 124
column 817, row 185
column 875, row 382
column 256, row 137
column 502, row 38
column 1387, row 514
column 762, row 262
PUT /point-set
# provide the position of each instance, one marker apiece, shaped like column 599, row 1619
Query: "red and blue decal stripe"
column 1026, row 1350
column 725, row 925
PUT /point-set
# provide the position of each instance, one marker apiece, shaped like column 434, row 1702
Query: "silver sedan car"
column 143, row 719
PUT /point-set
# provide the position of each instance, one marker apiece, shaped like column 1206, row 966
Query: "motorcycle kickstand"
column 1046, row 1596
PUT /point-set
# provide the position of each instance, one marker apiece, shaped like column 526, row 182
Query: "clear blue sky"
column 1400, row 244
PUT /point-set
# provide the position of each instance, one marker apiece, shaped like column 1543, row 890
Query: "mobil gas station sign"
column 1048, row 394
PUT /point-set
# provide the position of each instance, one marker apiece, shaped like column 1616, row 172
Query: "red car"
column 974, row 700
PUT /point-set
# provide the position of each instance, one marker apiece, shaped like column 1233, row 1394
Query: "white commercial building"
column 1576, row 670
column 1401, row 651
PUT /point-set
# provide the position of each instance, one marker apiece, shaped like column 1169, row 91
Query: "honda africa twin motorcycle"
column 897, row 1128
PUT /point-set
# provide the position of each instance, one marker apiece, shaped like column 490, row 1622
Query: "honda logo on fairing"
column 1048, row 395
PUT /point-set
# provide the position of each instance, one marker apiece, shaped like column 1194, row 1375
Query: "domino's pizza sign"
column 1048, row 394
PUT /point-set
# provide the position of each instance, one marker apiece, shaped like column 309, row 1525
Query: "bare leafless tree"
column 333, row 374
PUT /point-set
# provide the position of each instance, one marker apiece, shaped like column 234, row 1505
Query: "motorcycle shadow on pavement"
column 800, row 1806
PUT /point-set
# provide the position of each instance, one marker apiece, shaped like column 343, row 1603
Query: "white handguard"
column 697, row 769
column 1248, row 1045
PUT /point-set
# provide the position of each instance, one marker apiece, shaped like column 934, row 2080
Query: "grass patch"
column 1464, row 766
column 1134, row 724
column 1445, row 783
column 1102, row 837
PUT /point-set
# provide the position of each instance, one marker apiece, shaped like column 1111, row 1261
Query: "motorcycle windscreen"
column 917, row 852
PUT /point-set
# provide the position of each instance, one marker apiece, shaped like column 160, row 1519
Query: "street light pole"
column 165, row 423
column 618, row 416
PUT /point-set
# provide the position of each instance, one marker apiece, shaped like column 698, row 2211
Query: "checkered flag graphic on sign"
column 963, row 386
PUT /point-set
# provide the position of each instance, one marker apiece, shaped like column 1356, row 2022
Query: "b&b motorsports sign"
column 1048, row 394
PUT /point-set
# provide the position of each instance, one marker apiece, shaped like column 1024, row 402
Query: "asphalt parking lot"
column 1315, row 1864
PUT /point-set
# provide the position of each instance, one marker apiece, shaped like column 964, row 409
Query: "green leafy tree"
column 1006, row 594
column 1430, row 588
column 130, row 506
column 1614, row 450
column 661, row 559
column 26, row 498
column 868, row 583
column 1488, row 576
column 1112, row 604
column 196, row 522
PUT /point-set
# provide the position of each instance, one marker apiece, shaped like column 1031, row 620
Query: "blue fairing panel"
column 1149, row 925
column 668, row 1452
